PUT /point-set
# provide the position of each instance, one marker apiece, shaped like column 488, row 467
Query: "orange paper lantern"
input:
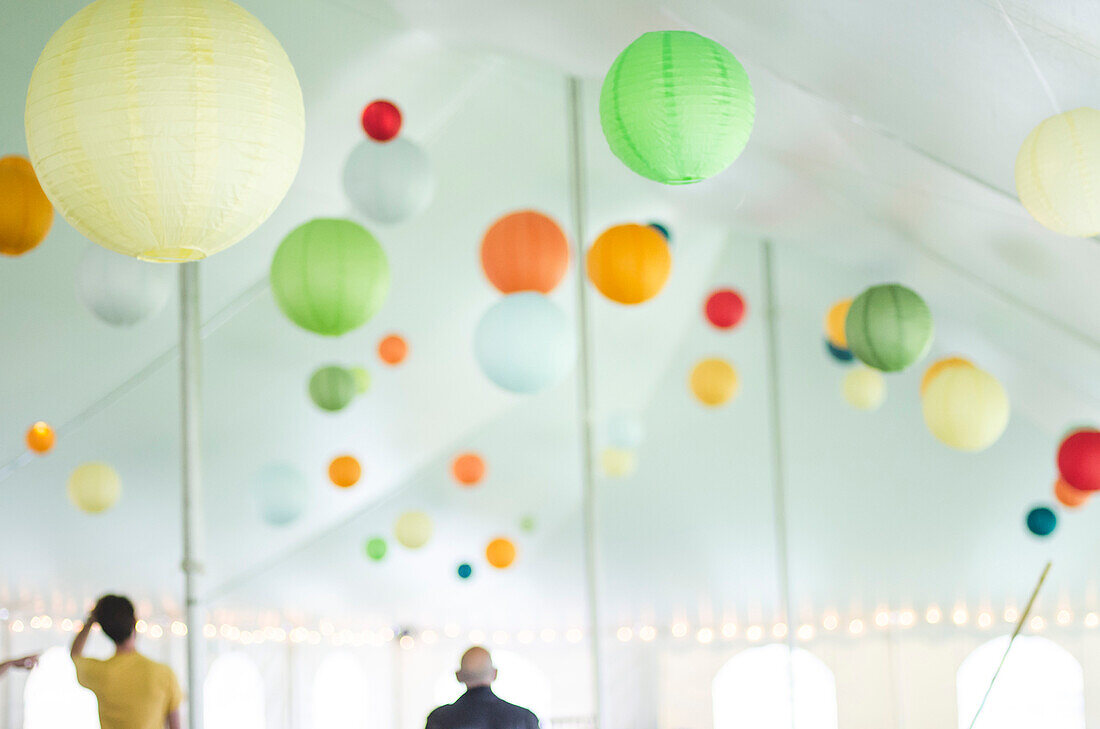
column 1068, row 496
column 25, row 212
column 393, row 349
column 40, row 437
column 629, row 264
column 834, row 323
column 525, row 251
column 939, row 366
column 345, row 471
column 501, row 553
column 468, row 469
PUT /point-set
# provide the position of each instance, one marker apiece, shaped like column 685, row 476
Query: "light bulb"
column 1064, row 617
column 985, row 620
column 805, row 632
column 1092, row 620
column 1038, row 624
column 647, row 633
column 624, row 633
column 729, row 630
column 574, row 635
column 830, row 622
column 779, row 630
column 907, row 618
column 855, row 627
column 548, row 635
column 882, row 618
column 754, row 633
column 705, row 635
column 960, row 616
column 933, row 615
column 679, row 630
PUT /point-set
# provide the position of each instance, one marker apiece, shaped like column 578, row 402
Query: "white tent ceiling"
column 882, row 151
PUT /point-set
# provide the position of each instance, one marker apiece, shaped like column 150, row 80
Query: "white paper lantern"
column 389, row 182
column 164, row 129
column 121, row 290
column 624, row 430
column 864, row 388
column 1058, row 173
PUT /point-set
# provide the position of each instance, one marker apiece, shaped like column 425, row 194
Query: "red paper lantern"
column 1079, row 460
column 725, row 308
column 381, row 120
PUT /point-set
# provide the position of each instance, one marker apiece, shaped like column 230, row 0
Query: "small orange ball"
column 40, row 437
column 501, row 553
column 345, row 471
column 393, row 349
column 1068, row 496
column 468, row 469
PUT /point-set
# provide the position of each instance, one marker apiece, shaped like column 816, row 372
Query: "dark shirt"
column 480, row 708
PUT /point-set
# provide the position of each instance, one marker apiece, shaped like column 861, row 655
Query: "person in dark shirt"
column 479, row 707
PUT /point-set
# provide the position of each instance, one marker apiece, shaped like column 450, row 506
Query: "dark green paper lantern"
column 889, row 327
column 676, row 107
column 376, row 549
column 330, row 276
column 332, row 388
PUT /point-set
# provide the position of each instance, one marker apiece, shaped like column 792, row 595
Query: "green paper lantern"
column 362, row 379
column 330, row 276
column 676, row 107
column 376, row 549
column 332, row 388
column 889, row 327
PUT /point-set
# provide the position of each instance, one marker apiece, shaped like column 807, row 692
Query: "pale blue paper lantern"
column 625, row 431
column 281, row 492
column 525, row 343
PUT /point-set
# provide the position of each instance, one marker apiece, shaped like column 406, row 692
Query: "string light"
column 1038, row 624
column 882, row 619
column 548, row 635
column 907, row 618
column 17, row 626
column 960, row 616
column 1064, row 617
column 679, row 630
column 141, row 626
column 36, row 622
column 1092, row 620
column 985, row 620
column 525, row 636
column 831, row 622
column 779, row 630
column 155, row 631
column 451, row 630
column 428, row 637
column 406, row 642
column 855, row 627
column 46, row 622
column 1011, row 615
column 573, row 635
column 705, row 635
column 67, row 625
column 299, row 635
column 624, row 633
column 647, row 633
column 933, row 615
column 178, row 628
column 805, row 632
column 754, row 633
column 729, row 630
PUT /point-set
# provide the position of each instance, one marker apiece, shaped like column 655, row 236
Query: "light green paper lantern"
column 331, row 388
column 362, row 379
column 376, row 549
column 676, row 107
column 330, row 276
column 889, row 327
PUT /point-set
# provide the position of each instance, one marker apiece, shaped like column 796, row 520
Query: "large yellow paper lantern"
column 94, row 487
column 164, row 129
column 966, row 408
column 1058, row 172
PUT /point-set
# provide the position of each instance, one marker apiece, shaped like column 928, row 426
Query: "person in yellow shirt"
column 134, row 692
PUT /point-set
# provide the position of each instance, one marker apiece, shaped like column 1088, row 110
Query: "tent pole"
column 190, row 450
column 584, row 393
column 779, row 489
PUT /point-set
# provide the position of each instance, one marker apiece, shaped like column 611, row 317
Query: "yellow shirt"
column 134, row 692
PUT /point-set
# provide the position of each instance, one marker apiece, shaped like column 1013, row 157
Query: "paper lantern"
column 40, row 437
column 389, row 182
column 1068, row 496
column 1079, row 460
column 393, row 349
column 629, row 264
column 527, row 524
column 676, row 107
column 468, row 469
column 617, row 462
column 1042, row 521
column 120, row 290
column 94, row 487
column 525, row 251
column 1057, row 171
column 331, row 388
column 864, row 388
column 376, row 548
column 725, row 308
column 25, row 212
column 713, row 381
column 500, row 553
column 413, row 529
column 834, row 323
column 361, row 378
column 889, row 327
column 330, row 276
column 624, row 430
column 662, row 229
column 966, row 408
column 165, row 130
column 381, row 120
column 939, row 366
column 465, row 571
column 838, row 353
column 524, row 343
column 281, row 493
column 344, row 471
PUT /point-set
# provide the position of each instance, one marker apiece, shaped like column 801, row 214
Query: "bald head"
column 476, row 668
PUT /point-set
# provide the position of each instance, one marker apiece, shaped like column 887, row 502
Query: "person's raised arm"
column 81, row 638
column 173, row 720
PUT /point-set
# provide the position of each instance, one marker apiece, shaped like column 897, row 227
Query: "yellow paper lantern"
column 617, row 462
column 714, row 381
column 25, row 213
column 164, row 129
column 939, row 366
column 834, row 323
column 501, row 553
column 1058, row 172
column 94, row 487
column 413, row 529
column 864, row 388
column 966, row 408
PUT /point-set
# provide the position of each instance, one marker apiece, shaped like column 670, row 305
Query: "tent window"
column 52, row 697
column 233, row 694
column 340, row 691
column 753, row 691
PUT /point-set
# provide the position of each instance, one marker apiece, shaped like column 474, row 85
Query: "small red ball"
column 381, row 120
column 725, row 308
column 1079, row 460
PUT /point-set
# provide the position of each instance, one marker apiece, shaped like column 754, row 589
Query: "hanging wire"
column 1030, row 58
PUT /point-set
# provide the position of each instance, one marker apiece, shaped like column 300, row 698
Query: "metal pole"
column 7, row 706
column 779, row 485
column 584, row 393
column 190, row 450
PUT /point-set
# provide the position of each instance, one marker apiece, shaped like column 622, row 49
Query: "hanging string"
column 1030, row 58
